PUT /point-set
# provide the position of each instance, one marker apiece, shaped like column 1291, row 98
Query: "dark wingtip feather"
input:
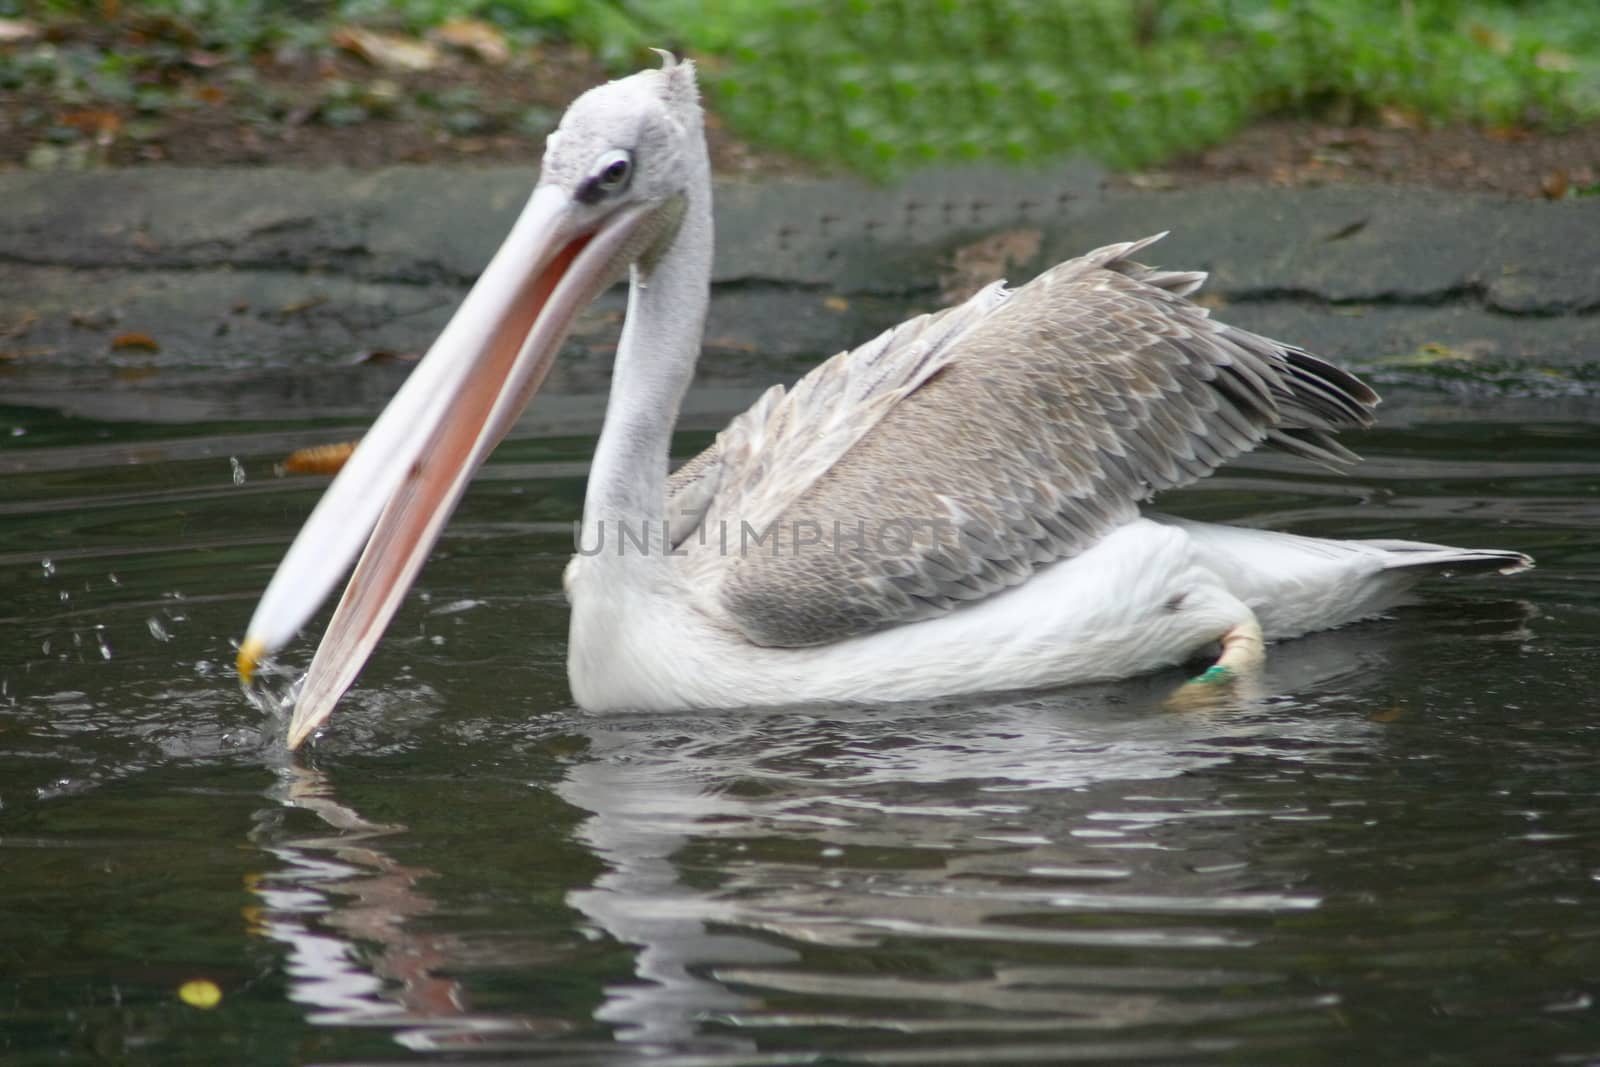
column 1455, row 560
column 1359, row 397
column 1313, row 445
column 1315, row 401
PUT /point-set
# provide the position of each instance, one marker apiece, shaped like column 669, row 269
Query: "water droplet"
column 105, row 646
column 64, row 595
column 45, row 646
column 49, row 566
column 238, row 470
column 157, row 631
column 18, row 431
column 114, row 579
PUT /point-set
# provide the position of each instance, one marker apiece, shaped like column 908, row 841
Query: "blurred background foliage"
column 882, row 85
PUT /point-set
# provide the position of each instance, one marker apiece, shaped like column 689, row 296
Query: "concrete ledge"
column 259, row 267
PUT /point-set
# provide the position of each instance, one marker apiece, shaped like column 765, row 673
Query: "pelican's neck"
column 655, row 362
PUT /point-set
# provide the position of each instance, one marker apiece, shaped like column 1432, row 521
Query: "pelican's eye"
column 610, row 177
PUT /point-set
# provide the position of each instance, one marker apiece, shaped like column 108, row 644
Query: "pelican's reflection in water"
column 342, row 907
column 1066, row 876
column 1047, row 879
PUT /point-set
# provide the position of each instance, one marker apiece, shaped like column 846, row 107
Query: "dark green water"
column 1394, row 860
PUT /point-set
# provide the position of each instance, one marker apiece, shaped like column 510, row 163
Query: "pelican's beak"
column 400, row 485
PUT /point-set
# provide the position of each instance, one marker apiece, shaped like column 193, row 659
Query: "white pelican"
column 952, row 507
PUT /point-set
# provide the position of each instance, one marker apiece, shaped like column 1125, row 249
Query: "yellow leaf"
column 200, row 993
column 1428, row 354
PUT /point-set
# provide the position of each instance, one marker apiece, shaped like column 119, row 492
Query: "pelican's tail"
column 1297, row 585
column 1420, row 556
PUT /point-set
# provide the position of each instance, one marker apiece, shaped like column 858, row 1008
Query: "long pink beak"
column 400, row 486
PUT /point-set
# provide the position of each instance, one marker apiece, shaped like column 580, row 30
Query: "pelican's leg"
column 1235, row 676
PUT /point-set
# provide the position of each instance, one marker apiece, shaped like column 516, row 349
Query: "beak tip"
column 251, row 652
column 299, row 730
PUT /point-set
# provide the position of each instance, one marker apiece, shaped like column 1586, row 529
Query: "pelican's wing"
column 1028, row 429
column 788, row 439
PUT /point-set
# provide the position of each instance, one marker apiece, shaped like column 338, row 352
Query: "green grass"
column 886, row 85
column 883, row 85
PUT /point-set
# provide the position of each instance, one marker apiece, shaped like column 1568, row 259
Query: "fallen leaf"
column 200, row 993
column 388, row 50
column 207, row 94
column 1396, row 117
column 836, row 303
column 1390, row 714
column 133, row 339
column 319, row 459
column 475, row 37
column 13, row 31
column 1554, row 185
column 96, row 123
column 1508, row 133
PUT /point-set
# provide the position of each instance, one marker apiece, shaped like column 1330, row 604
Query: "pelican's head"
column 627, row 153
column 617, row 177
column 639, row 138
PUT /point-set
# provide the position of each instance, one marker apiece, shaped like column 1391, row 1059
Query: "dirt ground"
column 1512, row 161
column 182, row 105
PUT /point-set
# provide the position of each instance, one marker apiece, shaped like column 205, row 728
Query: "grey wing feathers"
column 1032, row 428
column 787, row 439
